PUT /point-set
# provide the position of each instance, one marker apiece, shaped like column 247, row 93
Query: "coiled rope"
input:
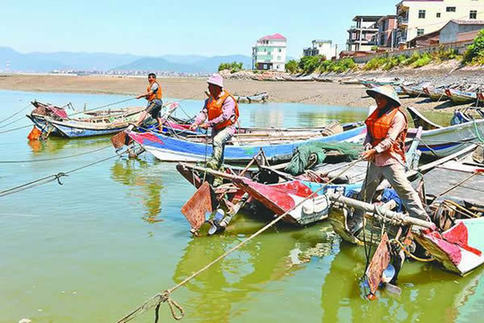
column 162, row 297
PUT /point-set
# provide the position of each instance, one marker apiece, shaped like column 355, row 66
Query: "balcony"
column 403, row 21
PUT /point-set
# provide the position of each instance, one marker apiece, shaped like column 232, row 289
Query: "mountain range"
column 13, row 61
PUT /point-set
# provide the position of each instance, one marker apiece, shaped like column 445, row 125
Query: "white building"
column 269, row 53
column 321, row 47
column 362, row 36
column 419, row 17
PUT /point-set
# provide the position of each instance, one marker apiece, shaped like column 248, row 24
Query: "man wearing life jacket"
column 385, row 151
column 220, row 112
column 153, row 95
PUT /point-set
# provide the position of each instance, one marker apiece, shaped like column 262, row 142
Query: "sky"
column 183, row 27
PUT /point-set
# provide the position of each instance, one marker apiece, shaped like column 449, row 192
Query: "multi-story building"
column 419, row 17
column 362, row 35
column 321, row 47
column 269, row 53
column 386, row 36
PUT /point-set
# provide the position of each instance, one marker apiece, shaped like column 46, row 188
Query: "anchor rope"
column 156, row 300
column 408, row 253
column 14, row 114
column 54, row 158
column 53, row 177
column 14, row 129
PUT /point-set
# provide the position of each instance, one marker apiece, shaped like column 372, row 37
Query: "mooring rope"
column 156, row 300
column 54, row 177
column 14, row 114
column 102, row 106
column 54, row 158
column 14, row 129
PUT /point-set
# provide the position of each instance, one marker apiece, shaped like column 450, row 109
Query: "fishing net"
column 306, row 156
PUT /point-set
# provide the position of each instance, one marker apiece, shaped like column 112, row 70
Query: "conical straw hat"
column 387, row 91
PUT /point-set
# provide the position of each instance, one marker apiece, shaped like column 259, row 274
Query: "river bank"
column 306, row 92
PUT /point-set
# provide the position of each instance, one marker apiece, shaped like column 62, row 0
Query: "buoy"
column 34, row 134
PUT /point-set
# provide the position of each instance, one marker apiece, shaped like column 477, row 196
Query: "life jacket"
column 154, row 95
column 378, row 126
column 214, row 109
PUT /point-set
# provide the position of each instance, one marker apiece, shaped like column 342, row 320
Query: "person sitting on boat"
column 220, row 112
column 385, row 151
column 154, row 97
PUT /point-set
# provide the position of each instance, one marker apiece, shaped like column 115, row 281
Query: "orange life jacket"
column 378, row 128
column 214, row 109
column 155, row 95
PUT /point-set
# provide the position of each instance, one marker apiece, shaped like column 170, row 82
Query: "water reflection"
column 217, row 293
column 429, row 294
column 148, row 186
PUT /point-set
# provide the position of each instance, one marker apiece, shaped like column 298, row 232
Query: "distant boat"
column 256, row 98
column 461, row 97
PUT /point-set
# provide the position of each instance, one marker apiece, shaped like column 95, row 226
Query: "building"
column 269, row 53
column 419, row 17
column 362, row 36
column 386, row 36
column 460, row 30
column 321, row 47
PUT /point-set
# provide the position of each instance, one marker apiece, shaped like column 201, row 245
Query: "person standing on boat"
column 385, row 152
column 154, row 97
column 220, row 112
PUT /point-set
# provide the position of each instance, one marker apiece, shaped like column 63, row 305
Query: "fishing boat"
column 55, row 120
column 413, row 90
column 256, row 98
column 435, row 93
column 460, row 96
column 452, row 187
column 242, row 147
column 439, row 141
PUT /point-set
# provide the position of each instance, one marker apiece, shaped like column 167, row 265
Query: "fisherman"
column 154, row 97
column 220, row 112
column 385, row 152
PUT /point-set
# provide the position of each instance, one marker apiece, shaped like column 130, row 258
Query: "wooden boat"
column 454, row 237
column 435, row 93
column 256, row 98
column 460, row 96
column 413, row 90
column 241, row 148
column 438, row 141
column 55, row 120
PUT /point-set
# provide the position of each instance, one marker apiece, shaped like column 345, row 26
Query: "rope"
column 54, row 158
column 408, row 253
column 12, row 122
column 13, row 115
column 14, row 129
column 165, row 295
column 102, row 106
column 51, row 178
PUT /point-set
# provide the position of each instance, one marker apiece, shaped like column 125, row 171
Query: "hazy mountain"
column 14, row 61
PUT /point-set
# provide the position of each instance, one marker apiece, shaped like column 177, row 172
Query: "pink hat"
column 216, row 79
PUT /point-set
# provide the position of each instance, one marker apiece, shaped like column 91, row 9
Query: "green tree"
column 475, row 51
column 292, row 66
column 233, row 67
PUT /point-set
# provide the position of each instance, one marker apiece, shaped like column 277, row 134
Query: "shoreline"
column 304, row 92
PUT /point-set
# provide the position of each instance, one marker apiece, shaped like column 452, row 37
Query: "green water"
column 113, row 235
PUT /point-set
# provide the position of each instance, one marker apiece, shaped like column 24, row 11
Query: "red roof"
column 275, row 36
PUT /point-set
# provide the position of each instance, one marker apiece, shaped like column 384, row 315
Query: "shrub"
column 475, row 52
column 423, row 60
column 233, row 67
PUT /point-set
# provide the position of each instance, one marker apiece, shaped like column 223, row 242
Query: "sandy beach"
column 319, row 93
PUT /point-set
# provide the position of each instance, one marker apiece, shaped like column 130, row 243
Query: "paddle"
column 197, row 206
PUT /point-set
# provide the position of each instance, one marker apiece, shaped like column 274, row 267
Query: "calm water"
column 113, row 235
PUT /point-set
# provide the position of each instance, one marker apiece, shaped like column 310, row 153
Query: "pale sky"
column 156, row 28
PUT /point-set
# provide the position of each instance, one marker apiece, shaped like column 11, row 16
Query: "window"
column 437, row 14
column 280, row 50
column 420, row 32
column 473, row 14
column 421, row 14
column 450, row 9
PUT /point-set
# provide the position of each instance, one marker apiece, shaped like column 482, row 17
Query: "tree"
column 233, row 67
column 292, row 66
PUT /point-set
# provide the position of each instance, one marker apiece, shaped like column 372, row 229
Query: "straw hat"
column 216, row 79
column 387, row 91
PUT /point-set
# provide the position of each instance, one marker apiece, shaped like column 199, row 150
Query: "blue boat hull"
column 173, row 149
